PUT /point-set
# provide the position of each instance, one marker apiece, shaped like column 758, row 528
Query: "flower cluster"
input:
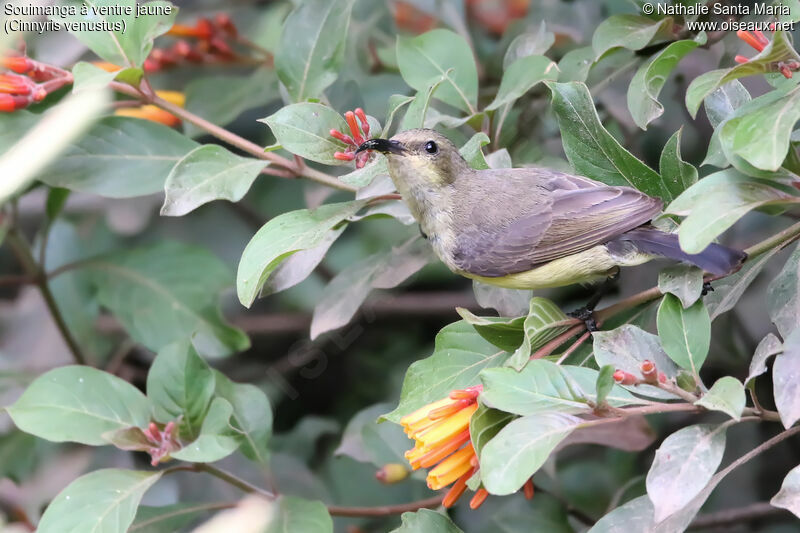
column 442, row 442
column 758, row 40
column 359, row 135
column 163, row 442
column 154, row 113
column 28, row 82
column 210, row 43
column 650, row 374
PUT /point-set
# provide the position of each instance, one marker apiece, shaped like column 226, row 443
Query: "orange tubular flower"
column 758, row 40
column 441, row 434
column 360, row 133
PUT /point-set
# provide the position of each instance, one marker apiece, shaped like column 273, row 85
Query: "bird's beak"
column 385, row 146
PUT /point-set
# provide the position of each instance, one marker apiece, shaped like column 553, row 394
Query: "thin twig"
column 548, row 348
column 575, row 346
column 737, row 515
column 231, row 138
column 35, row 272
column 385, row 510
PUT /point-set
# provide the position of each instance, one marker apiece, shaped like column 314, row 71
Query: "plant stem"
column 736, row 515
column 233, row 480
column 232, row 139
column 37, row 275
column 385, row 510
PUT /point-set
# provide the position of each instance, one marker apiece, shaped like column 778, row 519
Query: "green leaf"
column 683, row 466
column 591, row 150
column 648, row 81
column 299, row 265
column 216, row 439
column 283, row 236
column 505, row 333
column 785, row 383
column 170, row 518
column 685, row 333
column 220, row 99
column 88, row 77
column 676, row 174
column 471, row 151
column 418, row 109
column 304, row 129
column 396, row 103
column 728, row 290
column 545, row 387
column 252, row 416
column 683, row 281
column 575, row 64
column 120, row 157
column 768, row 346
column 426, row 521
column 368, row 441
column 604, row 384
column 635, row 515
column 484, row 424
column 633, row 32
column 761, row 137
column 724, row 100
column 783, row 296
column 543, row 323
column 459, row 355
column 726, row 395
column 520, row 77
column 779, row 49
column 626, row 347
column 717, row 201
column 312, row 47
column 124, row 39
column 342, row 297
column 789, row 495
column 521, row 448
column 291, row 514
column 207, row 173
column 165, row 293
column 361, row 177
column 180, row 384
column 529, row 44
column 79, row 404
column 107, row 500
column 440, row 53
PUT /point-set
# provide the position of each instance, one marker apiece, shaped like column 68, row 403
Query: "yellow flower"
column 441, row 440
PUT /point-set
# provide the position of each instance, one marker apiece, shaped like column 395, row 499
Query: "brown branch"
column 548, row 348
column 385, row 510
column 231, row 138
column 732, row 516
column 34, row 270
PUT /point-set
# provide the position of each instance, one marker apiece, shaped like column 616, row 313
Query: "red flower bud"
column 362, row 117
column 344, row 156
column 350, row 117
column 478, row 499
column 203, row 28
column 528, row 489
column 224, row 21
column 752, row 40
column 18, row 64
column 625, row 378
column 649, row 371
column 14, row 84
column 741, row 59
column 9, row 102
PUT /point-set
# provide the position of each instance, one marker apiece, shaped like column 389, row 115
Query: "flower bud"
column 625, row 378
column 392, row 473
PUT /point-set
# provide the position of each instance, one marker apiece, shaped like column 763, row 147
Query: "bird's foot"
column 706, row 288
column 586, row 315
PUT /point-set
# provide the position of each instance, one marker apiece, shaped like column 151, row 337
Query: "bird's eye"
column 431, row 147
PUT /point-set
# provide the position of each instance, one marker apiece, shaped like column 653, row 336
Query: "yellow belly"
column 588, row 266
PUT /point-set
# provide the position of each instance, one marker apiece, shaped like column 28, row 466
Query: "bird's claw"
column 706, row 288
column 585, row 315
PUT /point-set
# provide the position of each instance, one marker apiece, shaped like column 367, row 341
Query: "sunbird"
column 529, row 228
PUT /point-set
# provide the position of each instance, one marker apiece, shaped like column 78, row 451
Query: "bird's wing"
column 572, row 215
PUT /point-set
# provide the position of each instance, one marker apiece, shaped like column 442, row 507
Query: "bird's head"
column 420, row 159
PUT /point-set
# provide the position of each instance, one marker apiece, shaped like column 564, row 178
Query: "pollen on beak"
column 385, row 146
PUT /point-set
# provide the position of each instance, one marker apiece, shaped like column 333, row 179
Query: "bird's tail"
column 716, row 259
